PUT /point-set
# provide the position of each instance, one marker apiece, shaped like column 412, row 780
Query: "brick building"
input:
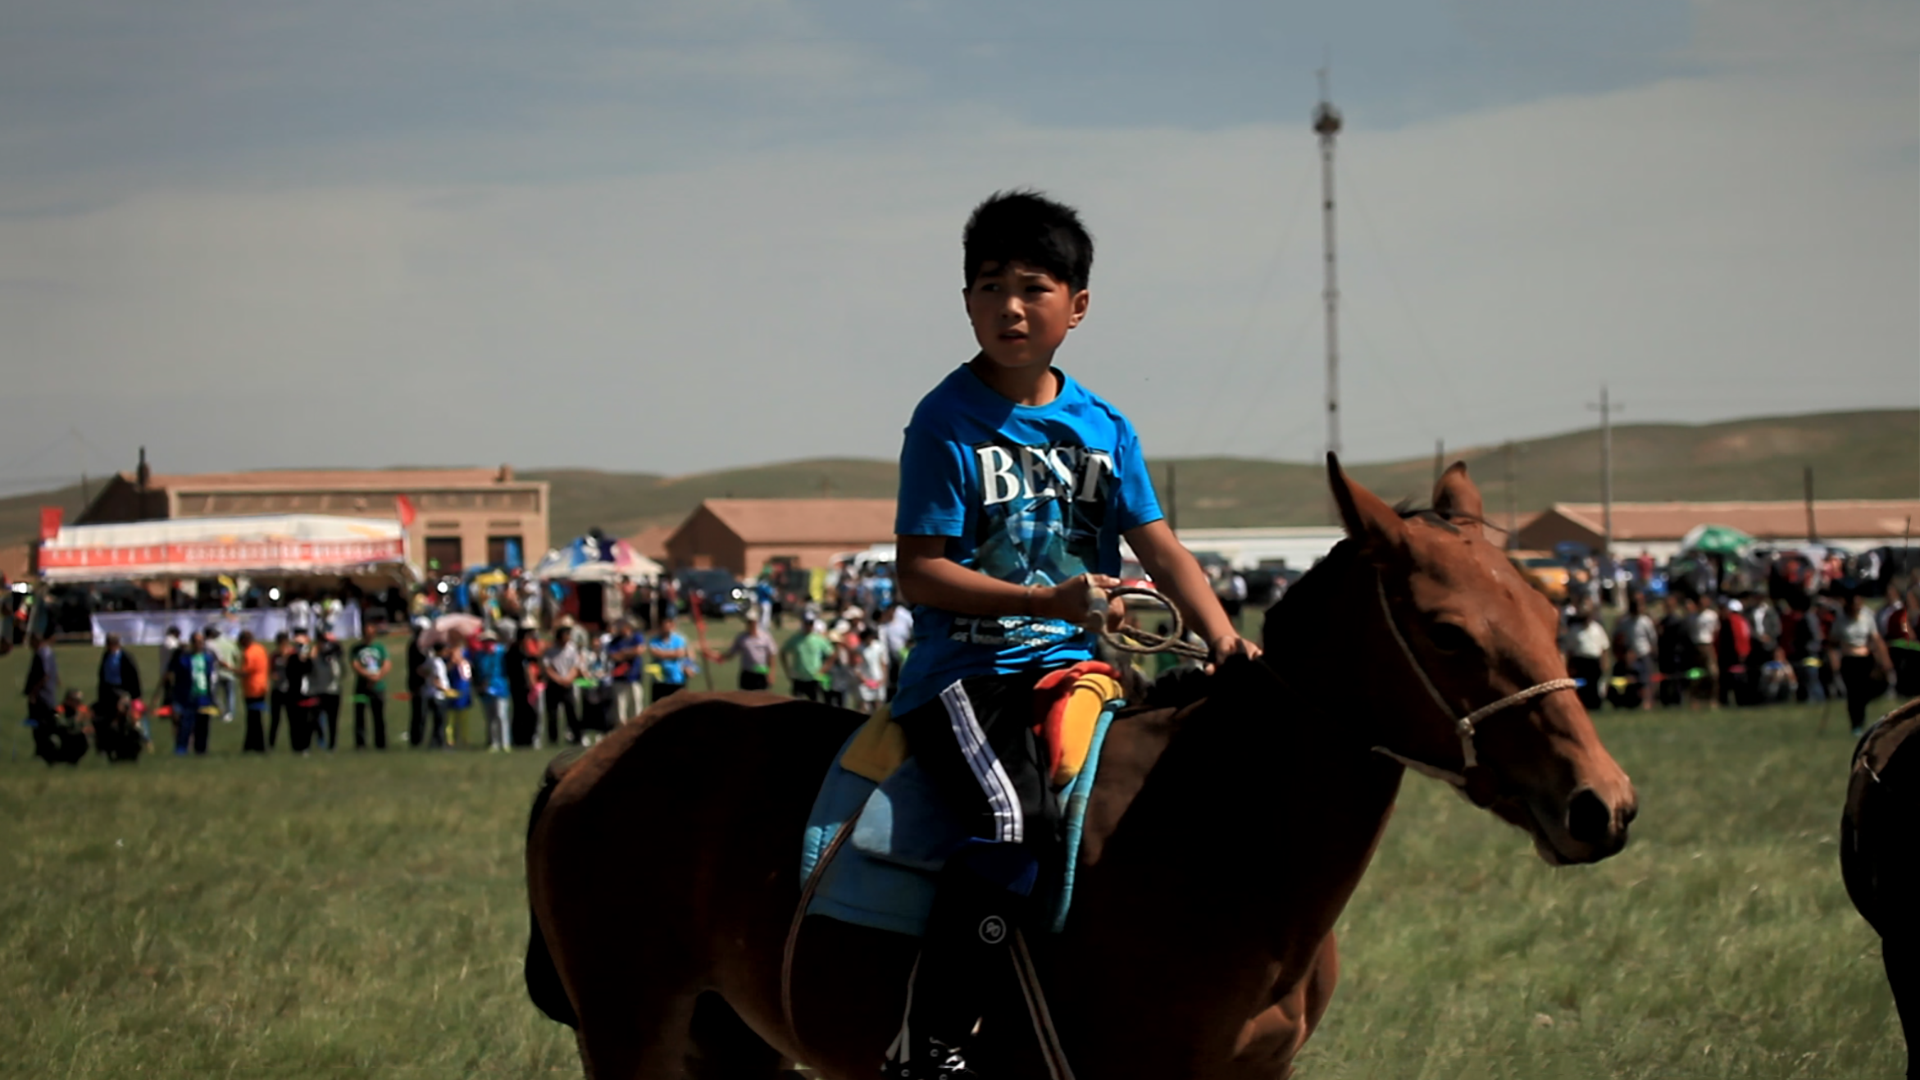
column 461, row 517
column 1855, row 524
column 743, row 535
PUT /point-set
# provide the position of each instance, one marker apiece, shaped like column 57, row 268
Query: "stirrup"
column 936, row 1061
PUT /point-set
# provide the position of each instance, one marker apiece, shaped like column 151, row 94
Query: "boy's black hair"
column 1024, row 225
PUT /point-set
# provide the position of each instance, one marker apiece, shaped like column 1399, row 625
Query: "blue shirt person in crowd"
column 668, row 649
column 191, row 680
column 490, row 681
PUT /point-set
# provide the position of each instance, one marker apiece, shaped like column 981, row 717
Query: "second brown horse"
column 1225, row 835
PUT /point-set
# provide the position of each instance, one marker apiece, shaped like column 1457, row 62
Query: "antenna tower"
column 1326, row 123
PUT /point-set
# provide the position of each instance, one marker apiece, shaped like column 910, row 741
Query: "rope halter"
column 1463, row 726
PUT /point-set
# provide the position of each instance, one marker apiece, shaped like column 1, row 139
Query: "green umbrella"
column 1716, row 540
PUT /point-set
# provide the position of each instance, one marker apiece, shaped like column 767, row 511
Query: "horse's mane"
column 1289, row 632
column 1177, row 689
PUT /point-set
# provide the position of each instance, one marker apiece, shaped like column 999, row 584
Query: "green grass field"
column 364, row 914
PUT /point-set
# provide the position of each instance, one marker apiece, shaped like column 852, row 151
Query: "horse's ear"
column 1368, row 519
column 1456, row 498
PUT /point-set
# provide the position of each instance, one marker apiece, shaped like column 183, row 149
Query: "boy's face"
column 1021, row 314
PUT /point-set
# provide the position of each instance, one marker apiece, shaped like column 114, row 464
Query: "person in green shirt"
column 805, row 657
column 370, row 667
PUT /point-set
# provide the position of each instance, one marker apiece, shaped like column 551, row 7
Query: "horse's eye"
column 1449, row 638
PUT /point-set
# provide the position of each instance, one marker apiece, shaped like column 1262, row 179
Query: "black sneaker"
column 935, row 1061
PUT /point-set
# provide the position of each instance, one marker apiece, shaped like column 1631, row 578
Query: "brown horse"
column 1880, row 855
column 1227, row 831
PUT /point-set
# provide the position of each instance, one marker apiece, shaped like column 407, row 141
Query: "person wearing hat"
column 756, row 650
column 490, row 682
column 805, row 657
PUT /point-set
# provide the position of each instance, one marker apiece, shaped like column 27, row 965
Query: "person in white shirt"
column 299, row 616
column 1858, row 652
column 896, row 629
column 1584, row 644
column 874, row 656
column 1703, row 627
column 438, row 689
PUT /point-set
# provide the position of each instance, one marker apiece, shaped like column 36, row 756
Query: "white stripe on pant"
column 1008, row 825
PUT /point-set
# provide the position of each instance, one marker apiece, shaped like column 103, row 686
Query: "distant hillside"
column 20, row 514
column 1871, row 454
column 625, row 503
column 1856, row 455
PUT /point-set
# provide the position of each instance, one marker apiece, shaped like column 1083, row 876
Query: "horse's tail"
column 543, row 979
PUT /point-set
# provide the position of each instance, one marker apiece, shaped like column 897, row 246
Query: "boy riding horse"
column 1016, row 487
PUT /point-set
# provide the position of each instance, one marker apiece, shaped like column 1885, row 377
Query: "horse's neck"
column 1274, row 831
column 1262, row 801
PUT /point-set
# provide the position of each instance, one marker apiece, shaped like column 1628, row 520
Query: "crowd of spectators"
column 522, row 672
column 1731, row 634
column 502, row 665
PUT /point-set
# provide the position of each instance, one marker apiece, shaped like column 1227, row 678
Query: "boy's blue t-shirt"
column 671, row 671
column 1033, row 495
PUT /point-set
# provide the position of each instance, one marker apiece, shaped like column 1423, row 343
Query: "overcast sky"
column 683, row 235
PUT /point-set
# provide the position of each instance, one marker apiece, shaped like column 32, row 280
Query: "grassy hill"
column 1859, row 455
column 1868, row 454
column 20, row 514
column 1855, row 455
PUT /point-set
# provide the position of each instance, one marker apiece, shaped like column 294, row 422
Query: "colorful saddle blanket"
column 883, row 875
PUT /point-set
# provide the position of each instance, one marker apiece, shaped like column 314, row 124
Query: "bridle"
column 1463, row 726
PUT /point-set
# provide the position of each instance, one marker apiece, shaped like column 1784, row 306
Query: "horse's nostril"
column 1588, row 818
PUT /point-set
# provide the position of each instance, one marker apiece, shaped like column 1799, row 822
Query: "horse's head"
column 1473, row 688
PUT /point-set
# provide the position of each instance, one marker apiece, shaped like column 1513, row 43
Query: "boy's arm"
column 1177, row 573
column 928, row 577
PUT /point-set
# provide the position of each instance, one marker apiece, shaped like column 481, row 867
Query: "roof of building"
column 652, row 541
column 324, row 479
column 1851, row 518
column 806, row 521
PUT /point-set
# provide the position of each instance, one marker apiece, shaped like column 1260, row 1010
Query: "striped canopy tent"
column 596, row 558
column 265, row 545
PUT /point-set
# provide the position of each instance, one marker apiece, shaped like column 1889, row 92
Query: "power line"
column 1238, row 354
column 1406, row 309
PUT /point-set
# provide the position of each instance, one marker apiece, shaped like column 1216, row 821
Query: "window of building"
column 505, row 551
column 443, row 554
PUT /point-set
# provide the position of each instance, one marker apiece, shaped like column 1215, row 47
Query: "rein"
column 1463, row 726
column 1132, row 639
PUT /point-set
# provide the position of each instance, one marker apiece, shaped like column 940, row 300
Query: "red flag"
column 404, row 507
column 50, row 518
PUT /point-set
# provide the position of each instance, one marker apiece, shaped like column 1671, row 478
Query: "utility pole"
column 1326, row 124
column 1439, row 460
column 1173, row 498
column 1813, row 527
column 1513, row 513
column 1606, row 470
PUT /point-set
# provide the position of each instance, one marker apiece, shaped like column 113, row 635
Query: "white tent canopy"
column 203, row 547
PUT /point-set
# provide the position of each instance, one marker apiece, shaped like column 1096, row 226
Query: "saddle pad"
column 883, row 877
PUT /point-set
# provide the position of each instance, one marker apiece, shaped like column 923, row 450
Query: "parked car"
column 717, row 590
column 1544, row 571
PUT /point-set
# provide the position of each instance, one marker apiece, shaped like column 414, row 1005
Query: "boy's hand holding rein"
column 1074, row 601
